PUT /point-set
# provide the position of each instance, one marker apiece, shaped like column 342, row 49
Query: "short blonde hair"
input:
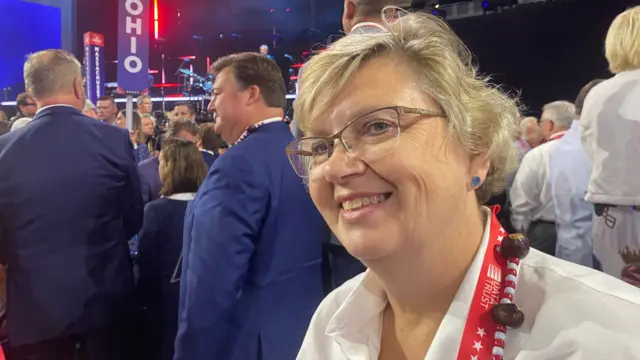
column 480, row 116
column 622, row 46
column 49, row 73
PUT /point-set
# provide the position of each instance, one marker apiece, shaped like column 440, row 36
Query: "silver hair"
column 525, row 122
column 50, row 72
column 561, row 113
column 153, row 118
column 141, row 98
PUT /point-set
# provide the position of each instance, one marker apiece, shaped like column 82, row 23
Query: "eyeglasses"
column 369, row 137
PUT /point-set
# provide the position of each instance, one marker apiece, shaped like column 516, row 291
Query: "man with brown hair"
column 248, row 89
column 209, row 144
column 184, row 112
column 26, row 107
column 252, row 247
column 107, row 109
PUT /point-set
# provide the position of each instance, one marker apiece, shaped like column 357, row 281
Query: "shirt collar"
column 270, row 120
column 181, row 196
column 368, row 23
column 575, row 126
column 557, row 135
column 208, row 152
column 49, row 106
column 358, row 321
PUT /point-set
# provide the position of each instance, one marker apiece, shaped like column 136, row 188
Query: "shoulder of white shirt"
column 545, row 273
column 181, row 196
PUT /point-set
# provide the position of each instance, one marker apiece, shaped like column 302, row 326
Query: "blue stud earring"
column 476, row 181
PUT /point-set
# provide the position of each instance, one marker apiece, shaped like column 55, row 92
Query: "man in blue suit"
column 69, row 202
column 252, row 248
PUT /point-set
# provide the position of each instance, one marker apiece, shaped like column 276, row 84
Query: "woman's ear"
column 478, row 169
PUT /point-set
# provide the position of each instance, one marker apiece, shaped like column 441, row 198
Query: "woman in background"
column 610, row 133
column 138, row 139
column 182, row 170
column 3, row 116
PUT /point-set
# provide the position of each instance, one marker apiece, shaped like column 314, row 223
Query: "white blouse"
column 571, row 313
column 611, row 135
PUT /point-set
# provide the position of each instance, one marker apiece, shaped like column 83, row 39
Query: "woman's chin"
column 367, row 248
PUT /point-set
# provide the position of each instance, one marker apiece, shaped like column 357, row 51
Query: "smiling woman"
column 405, row 143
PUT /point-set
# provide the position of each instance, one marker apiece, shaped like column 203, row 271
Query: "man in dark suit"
column 148, row 169
column 69, row 202
column 252, row 248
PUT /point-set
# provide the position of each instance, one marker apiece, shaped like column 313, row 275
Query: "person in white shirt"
column 611, row 135
column 569, row 171
column 398, row 166
column 531, row 132
column 532, row 210
column 20, row 123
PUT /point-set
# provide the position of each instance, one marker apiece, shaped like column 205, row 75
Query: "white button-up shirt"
column 530, row 194
column 569, row 172
column 571, row 313
column 610, row 122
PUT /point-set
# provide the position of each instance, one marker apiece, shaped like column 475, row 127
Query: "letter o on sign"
column 138, row 7
column 137, row 64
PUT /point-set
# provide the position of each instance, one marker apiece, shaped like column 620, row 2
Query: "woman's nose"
column 342, row 165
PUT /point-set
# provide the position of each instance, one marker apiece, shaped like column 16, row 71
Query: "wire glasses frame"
column 370, row 136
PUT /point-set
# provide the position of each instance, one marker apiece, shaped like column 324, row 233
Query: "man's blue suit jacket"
column 150, row 177
column 251, row 277
column 69, row 202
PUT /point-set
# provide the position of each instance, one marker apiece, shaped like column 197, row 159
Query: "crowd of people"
column 413, row 215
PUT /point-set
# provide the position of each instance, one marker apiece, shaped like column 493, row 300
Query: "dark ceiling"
column 213, row 28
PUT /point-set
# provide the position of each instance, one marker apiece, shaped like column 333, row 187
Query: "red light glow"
column 155, row 19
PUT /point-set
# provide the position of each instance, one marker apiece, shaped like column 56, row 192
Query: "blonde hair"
column 622, row 46
column 50, row 72
column 480, row 116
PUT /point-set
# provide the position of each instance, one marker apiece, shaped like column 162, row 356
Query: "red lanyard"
column 478, row 337
column 557, row 136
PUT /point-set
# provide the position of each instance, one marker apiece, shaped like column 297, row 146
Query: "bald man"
column 67, row 211
column 365, row 16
